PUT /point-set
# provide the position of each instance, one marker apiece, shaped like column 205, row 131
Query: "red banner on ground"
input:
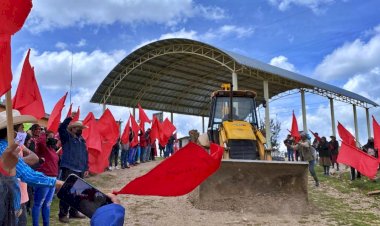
column 179, row 174
column 361, row 161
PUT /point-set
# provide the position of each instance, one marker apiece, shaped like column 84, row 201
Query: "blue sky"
column 335, row 41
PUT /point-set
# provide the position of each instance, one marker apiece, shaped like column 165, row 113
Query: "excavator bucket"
column 255, row 185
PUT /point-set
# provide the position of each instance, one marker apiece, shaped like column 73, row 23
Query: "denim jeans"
column 169, row 150
column 124, row 158
column 147, row 153
column 312, row 171
column 132, row 154
column 138, row 153
column 142, row 154
column 290, row 155
column 43, row 197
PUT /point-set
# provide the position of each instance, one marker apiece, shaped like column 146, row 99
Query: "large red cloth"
column 55, row 117
column 109, row 132
column 127, row 130
column 294, row 132
column 142, row 116
column 345, row 135
column 361, row 161
column 93, row 142
column 179, row 174
column 135, row 130
column 13, row 14
column 28, row 98
column 376, row 134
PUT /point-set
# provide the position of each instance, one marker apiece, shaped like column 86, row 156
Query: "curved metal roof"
column 179, row 75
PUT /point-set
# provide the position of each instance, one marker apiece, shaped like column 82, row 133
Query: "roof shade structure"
column 179, row 75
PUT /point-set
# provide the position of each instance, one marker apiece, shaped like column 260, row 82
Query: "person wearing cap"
column 304, row 147
column 334, row 149
column 74, row 160
column 21, row 170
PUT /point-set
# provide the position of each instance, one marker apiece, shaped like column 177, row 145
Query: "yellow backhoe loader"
column 248, row 177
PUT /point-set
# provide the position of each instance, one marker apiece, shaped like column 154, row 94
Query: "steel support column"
column 368, row 123
column 104, row 107
column 356, row 124
column 203, row 124
column 303, row 110
column 171, row 117
column 267, row 119
column 134, row 112
column 234, row 81
column 333, row 130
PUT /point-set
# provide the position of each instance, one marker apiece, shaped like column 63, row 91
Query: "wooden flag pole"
column 8, row 108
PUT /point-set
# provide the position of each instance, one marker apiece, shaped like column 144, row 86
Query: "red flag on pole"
column 376, row 134
column 28, row 98
column 55, row 117
column 93, row 142
column 179, row 174
column 127, row 130
column 69, row 112
column 13, row 14
column 109, row 131
column 142, row 116
column 345, row 135
column 155, row 130
column 316, row 136
column 76, row 116
column 135, row 130
column 361, row 161
column 294, row 132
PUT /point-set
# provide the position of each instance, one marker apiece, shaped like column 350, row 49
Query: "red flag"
column 361, row 161
column 13, row 14
column 166, row 130
column 142, row 116
column 109, row 132
column 28, row 98
column 55, row 117
column 316, row 136
column 135, row 130
column 179, row 174
column 155, row 130
column 93, row 142
column 69, row 112
column 345, row 135
column 376, row 134
column 294, row 131
column 76, row 117
column 127, row 130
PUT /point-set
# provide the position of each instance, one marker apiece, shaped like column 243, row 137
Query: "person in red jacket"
column 43, row 196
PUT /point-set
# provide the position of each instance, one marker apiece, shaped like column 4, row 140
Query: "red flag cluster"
column 179, row 174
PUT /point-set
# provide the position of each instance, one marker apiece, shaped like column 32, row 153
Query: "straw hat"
column 77, row 124
column 17, row 118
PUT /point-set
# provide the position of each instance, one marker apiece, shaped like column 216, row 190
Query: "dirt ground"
column 145, row 210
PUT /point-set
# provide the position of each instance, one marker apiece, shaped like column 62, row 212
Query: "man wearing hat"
column 74, row 160
column 334, row 149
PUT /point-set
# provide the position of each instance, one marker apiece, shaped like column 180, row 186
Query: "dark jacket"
column 334, row 147
column 75, row 156
column 108, row 215
column 323, row 149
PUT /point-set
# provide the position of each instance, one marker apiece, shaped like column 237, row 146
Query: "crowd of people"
column 326, row 152
column 46, row 159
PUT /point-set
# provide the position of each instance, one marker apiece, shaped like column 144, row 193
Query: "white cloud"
column 47, row 15
column 282, row 62
column 228, row 30
column 81, row 43
column 315, row 5
column 350, row 59
column 61, row 45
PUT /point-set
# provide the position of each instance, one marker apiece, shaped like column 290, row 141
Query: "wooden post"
column 8, row 108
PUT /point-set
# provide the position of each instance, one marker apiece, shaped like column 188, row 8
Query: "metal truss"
column 335, row 96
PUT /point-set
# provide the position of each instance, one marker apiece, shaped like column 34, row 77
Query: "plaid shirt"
column 27, row 174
